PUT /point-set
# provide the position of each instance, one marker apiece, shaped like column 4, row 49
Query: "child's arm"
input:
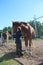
column 14, row 35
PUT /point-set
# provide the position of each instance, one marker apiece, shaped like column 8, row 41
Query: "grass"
column 8, row 59
column 9, row 62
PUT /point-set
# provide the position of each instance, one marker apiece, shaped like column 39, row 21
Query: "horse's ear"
column 20, row 23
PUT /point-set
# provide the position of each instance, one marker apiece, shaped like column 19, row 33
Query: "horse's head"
column 15, row 26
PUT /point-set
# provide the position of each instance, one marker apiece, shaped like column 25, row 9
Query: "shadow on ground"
column 8, row 56
column 41, row 64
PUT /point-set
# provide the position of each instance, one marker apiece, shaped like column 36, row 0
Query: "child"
column 18, row 42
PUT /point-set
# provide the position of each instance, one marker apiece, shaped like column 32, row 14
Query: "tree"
column 39, row 27
column 5, row 29
column 0, row 32
column 32, row 24
column 42, row 30
column 9, row 29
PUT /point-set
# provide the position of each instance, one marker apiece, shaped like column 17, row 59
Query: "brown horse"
column 5, row 35
column 28, row 32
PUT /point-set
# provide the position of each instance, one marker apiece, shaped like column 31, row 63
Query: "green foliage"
column 9, row 29
column 39, row 27
column 5, row 29
column 32, row 24
column 0, row 32
column 42, row 29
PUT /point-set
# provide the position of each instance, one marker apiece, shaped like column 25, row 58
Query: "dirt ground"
column 37, row 53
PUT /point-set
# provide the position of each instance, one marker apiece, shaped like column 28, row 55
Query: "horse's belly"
column 28, row 36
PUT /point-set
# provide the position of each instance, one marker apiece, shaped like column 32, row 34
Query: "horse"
column 27, row 30
column 5, row 37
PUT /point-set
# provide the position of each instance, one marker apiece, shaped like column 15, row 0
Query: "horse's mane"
column 15, row 23
column 23, row 23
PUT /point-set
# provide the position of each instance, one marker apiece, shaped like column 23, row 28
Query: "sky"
column 19, row 10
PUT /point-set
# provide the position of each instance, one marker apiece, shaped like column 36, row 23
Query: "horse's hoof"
column 33, row 46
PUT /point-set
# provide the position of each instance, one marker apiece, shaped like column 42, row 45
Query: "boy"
column 18, row 42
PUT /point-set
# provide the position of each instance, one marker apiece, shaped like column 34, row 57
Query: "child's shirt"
column 18, row 36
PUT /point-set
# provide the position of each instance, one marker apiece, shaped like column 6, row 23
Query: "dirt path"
column 37, row 53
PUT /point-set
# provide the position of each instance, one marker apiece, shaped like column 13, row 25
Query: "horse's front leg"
column 26, row 44
column 30, row 43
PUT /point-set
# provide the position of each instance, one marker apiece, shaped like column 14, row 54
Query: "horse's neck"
column 24, row 26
